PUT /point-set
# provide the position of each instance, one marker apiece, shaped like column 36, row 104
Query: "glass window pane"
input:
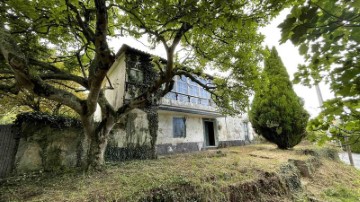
column 183, row 79
column 204, row 102
column 183, row 98
column 182, row 87
column 171, row 95
column 135, row 75
column 204, row 93
column 192, row 83
column 194, row 90
column 194, row 100
column 179, row 129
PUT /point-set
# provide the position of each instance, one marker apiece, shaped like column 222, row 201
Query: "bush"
column 277, row 113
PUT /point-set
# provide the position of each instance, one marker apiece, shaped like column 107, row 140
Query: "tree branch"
column 88, row 33
column 9, row 89
column 58, row 74
column 35, row 84
column 103, row 57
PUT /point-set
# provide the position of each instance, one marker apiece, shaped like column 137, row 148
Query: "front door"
column 209, row 133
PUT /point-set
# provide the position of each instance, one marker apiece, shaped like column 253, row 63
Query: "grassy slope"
column 208, row 172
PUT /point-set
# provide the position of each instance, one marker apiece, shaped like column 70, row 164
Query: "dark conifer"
column 277, row 113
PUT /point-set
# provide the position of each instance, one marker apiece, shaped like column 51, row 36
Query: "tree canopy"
column 328, row 36
column 47, row 44
column 220, row 34
column 277, row 113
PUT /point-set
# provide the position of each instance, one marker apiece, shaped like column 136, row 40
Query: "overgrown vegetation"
column 57, row 49
column 55, row 140
column 277, row 113
column 204, row 176
column 36, row 118
column 327, row 35
column 355, row 144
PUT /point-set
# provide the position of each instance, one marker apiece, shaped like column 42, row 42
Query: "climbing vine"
column 142, row 62
column 153, row 120
column 44, row 130
column 37, row 118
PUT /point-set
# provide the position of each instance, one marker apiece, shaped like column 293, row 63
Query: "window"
column 246, row 130
column 179, row 127
column 183, row 98
column 204, row 93
column 182, row 85
column 135, row 75
column 171, row 95
column 194, row 90
column 185, row 90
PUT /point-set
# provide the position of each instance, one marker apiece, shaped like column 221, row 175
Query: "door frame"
column 215, row 132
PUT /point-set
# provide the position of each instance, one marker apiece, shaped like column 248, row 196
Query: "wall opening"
column 209, row 133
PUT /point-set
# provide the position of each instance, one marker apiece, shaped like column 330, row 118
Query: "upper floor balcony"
column 186, row 95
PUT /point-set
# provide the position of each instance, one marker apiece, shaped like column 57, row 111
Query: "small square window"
column 179, row 127
column 135, row 75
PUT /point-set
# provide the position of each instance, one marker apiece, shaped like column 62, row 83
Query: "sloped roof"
column 126, row 47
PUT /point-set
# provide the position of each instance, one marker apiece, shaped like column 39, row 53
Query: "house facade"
column 188, row 119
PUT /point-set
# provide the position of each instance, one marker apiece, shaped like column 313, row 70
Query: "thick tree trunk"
column 153, row 120
column 94, row 142
column 97, row 148
column 89, row 129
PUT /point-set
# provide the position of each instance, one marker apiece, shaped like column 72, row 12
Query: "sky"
column 287, row 51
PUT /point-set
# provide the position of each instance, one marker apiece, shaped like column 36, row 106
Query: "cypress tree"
column 277, row 113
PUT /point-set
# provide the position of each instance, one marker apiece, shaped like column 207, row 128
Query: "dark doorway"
column 209, row 133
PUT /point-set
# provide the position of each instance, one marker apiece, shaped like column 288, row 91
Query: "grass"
column 334, row 181
column 207, row 172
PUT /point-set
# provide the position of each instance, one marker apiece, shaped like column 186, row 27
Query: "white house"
column 188, row 118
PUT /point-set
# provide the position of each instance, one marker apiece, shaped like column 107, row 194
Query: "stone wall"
column 48, row 148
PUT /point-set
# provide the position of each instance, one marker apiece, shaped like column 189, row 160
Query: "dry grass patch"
column 206, row 172
column 334, row 181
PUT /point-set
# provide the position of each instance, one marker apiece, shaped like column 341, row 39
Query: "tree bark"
column 153, row 121
column 94, row 142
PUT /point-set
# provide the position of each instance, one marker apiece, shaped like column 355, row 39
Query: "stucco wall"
column 132, row 129
column 232, row 128
column 116, row 75
column 229, row 131
column 130, row 138
column 194, row 128
column 226, row 128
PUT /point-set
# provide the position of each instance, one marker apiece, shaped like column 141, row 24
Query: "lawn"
column 204, row 176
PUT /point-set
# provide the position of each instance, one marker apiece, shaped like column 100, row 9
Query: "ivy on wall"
column 37, row 118
column 48, row 133
column 153, row 121
column 138, row 84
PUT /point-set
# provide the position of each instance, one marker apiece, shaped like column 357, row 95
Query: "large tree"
column 328, row 36
column 277, row 113
column 50, row 42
